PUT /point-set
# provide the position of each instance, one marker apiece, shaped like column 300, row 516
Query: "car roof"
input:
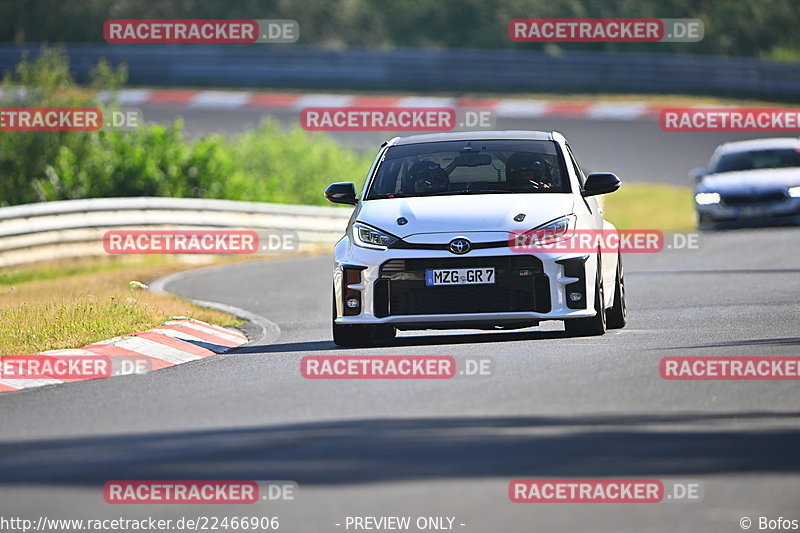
column 474, row 136
column 759, row 144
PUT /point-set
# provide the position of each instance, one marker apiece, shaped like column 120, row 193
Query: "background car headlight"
column 794, row 192
column 368, row 237
column 706, row 198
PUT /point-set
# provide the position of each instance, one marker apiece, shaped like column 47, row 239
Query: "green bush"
column 26, row 156
column 266, row 164
column 292, row 167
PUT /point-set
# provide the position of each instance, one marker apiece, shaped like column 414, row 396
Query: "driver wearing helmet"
column 525, row 171
column 427, row 177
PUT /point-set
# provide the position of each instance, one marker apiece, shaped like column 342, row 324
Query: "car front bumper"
column 784, row 211
column 529, row 288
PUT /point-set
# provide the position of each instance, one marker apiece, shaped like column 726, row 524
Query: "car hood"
column 762, row 180
column 464, row 213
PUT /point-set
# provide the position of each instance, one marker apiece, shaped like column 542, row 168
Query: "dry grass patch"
column 68, row 304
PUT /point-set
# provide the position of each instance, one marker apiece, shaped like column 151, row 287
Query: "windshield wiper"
column 388, row 195
column 486, row 191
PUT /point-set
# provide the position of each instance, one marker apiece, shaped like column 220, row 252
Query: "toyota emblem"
column 459, row 246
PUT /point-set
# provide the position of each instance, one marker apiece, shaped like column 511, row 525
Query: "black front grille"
column 520, row 285
column 744, row 198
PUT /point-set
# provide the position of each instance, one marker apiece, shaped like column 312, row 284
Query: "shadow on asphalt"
column 717, row 272
column 782, row 341
column 417, row 340
column 385, row 450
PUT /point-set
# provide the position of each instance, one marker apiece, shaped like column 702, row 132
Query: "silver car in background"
column 750, row 183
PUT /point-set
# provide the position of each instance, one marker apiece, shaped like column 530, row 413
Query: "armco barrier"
column 72, row 228
column 418, row 70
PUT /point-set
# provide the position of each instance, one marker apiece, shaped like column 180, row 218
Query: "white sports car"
column 429, row 244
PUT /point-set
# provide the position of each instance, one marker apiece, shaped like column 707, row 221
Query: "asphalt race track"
column 553, row 407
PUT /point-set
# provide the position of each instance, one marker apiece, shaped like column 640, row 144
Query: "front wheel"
column 595, row 325
column 617, row 315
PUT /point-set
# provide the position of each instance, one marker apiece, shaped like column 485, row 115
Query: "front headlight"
column 706, row 198
column 369, row 237
column 553, row 231
column 794, row 192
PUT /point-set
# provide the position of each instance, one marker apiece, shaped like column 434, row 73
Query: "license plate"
column 459, row 276
column 755, row 212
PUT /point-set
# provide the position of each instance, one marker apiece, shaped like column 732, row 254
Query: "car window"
column 576, row 167
column 756, row 159
column 470, row 167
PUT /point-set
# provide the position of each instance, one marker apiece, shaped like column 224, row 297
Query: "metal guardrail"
column 73, row 228
column 418, row 70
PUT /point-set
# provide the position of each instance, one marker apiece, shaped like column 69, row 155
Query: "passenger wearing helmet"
column 426, row 177
column 525, row 171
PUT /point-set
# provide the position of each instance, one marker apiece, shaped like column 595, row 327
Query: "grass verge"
column 68, row 304
column 650, row 206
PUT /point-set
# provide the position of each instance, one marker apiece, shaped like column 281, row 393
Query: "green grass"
column 57, row 305
column 650, row 206
column 51, row 270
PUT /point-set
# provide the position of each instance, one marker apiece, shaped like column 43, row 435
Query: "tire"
column 617, row 315
column 360, row 336
column 595, row 325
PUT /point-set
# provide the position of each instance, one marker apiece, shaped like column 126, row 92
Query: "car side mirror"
column 697, row 174
column 600, row 183
column 341, row 193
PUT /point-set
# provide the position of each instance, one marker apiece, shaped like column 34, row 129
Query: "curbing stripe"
column 375, row 101
column 521, row 108
column 185, row 350
column 503, row 107
column 425, row 101
column 621, row 111
column 567, row 109
column 111, row 350
column 219, row 100
column 208, row 331
column 322, row 100
column 272, row 100
column 235, row 333
column 69, row 351
column 200, row 335
column 17, row 384
column 177, row 342
column 192, row 339
column 170, row 97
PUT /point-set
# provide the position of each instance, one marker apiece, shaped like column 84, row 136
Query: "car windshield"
column 470, row 167
column 757, row 159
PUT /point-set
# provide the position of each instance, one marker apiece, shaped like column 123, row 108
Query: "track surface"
column 636, row 150
column 554, row 407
